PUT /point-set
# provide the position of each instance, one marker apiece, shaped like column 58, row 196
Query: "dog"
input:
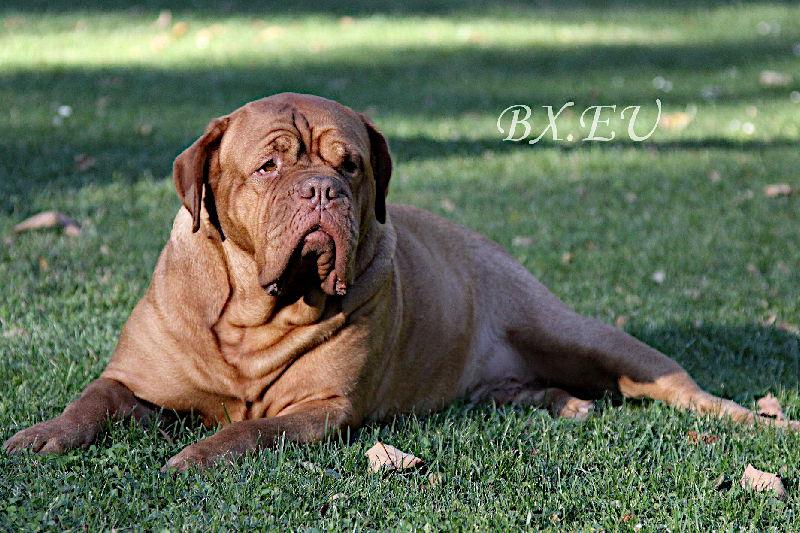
column 290, row 300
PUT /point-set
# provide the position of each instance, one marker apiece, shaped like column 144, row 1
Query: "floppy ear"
column 191, row 169
column 381, row 161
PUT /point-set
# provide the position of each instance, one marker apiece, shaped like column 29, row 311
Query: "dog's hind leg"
column 586, row 357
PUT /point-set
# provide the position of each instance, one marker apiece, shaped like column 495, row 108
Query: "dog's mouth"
column 316, row 259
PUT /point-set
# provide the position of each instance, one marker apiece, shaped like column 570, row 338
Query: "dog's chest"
column 260, row 345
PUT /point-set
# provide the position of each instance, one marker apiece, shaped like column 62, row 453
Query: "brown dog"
column 289, row 300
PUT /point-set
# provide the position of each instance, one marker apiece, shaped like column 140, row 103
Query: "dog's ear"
column 192, row 167
column 381, row 161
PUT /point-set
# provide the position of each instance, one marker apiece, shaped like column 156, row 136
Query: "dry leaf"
column 714, row 176
column 676, row 121
column 773, row 78
column 179, row 29
column 435, row 478
column 50, row 219
column 385, row 457
column 778, row 189
column 448, row 205
column 620, row 321
column 770, row 319
column 567, row 257
column 762, row 481
column 84, row 162
column 705, row 438
column 522, row 241
column 164, row 19
column 786, row 326
column 770, row 407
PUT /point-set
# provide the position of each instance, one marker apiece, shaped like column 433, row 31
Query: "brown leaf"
column 567, row 257
column 706, row 438
column 49, row 219
column 772, row 78
column 164, row 19
column 179, row 29
column 676, row 121
column 522, row 241
column 620, row 321
column 770, row 319
column 385, row 457
column 84, row 162
column 770, row 407
column 786, row 326
column 448, row 205
column 778, row 189
column 762, row 481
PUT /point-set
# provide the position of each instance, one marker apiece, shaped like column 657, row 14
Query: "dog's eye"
column 349, row 166
column 270, row 166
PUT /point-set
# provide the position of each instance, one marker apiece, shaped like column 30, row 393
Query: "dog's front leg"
column 82, row 420
column 305, row 422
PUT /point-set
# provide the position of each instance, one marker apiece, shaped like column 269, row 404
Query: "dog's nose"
column 320, row 190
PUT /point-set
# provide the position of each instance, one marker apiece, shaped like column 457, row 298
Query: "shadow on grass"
column 339, row 8
column 422, row 84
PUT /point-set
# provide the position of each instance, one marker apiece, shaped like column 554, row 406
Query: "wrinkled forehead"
column 311, row 119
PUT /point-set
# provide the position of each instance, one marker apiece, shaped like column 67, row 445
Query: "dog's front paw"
column 198, row 456
column 58, row 435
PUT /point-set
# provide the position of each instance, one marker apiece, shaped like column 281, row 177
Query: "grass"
column 434, row 76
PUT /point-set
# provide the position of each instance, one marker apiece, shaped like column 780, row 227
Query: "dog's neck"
column 259, row 333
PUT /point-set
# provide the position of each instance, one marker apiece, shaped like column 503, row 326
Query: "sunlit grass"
column 593, row 220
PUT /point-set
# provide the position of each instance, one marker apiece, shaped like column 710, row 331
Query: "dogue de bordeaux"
column 291, row 300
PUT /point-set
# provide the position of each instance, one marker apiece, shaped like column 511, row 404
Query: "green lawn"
column 594, row 221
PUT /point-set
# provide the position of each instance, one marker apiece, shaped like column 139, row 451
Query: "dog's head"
column 293, row 179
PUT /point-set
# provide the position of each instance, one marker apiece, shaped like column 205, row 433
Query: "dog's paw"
column 576, row 408
column 198, row 456
column 58, row 435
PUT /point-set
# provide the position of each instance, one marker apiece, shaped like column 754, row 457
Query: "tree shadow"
column 114, row 105
column 339, row 8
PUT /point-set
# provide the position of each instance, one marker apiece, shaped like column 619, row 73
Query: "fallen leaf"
column 385, row 457
column 435, row 478
column 770, row 319
column 179, row 29
column 448, row 205
column 49, row 219
column 15, row 332
column 84, row 162
column 567, row 257
column 714, row 176
column 786, row 326
column 675, row 121
column 658, row 276
column 43, row 264
column 164, row 19
column 778, row 189
column 311, row 467
column 770, row 407
column 762, row 481
column 620, row 321
column 521, row 241
column 705, row 438
column 166, row 437
column 773, row 78
column 626, row 517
